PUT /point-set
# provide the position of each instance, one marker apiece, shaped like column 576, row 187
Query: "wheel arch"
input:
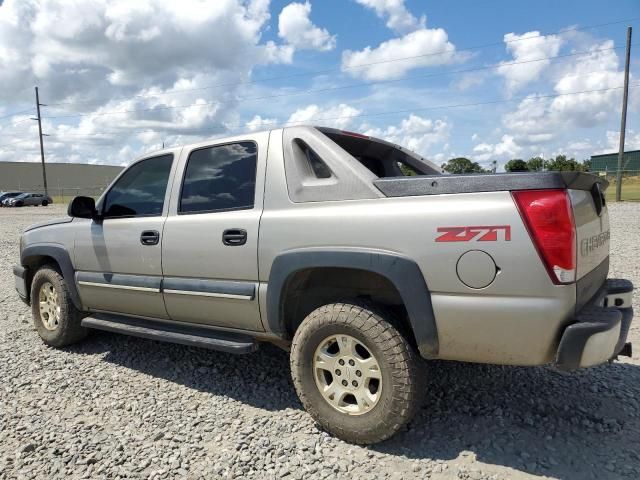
column 33, row 257
column 401, row 272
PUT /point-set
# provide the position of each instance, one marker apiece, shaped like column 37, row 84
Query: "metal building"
column 63, row 179
column 608, row 162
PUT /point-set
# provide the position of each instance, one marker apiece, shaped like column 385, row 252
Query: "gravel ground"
column 119, row 407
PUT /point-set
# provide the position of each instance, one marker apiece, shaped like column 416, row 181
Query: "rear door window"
column 220, row 178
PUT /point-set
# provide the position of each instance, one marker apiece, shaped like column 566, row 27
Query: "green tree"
column 586, row 165
column 535, row 164
column 562, row 163
column 516, row 165
column 461, row 165
column 406, row 170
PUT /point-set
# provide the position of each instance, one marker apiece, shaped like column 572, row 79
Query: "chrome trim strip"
column 122, row 287
column 209, row 294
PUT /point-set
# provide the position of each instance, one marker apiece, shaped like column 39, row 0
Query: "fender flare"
column 401, row 271
column 62, row 257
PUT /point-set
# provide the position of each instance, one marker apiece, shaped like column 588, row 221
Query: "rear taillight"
column 549, row 220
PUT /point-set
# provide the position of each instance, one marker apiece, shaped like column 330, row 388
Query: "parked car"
column 312, row 239
column 5, row 196
column 29, row 199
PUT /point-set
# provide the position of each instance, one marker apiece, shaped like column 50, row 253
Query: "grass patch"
column 61, row 200
column 630, row 190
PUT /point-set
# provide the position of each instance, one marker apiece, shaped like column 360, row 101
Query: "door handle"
column 234, row 237
column 150, row 237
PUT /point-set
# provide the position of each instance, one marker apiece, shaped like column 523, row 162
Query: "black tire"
column 68, row 329
column 401, row 386
column 45, row 203
column 19, row 204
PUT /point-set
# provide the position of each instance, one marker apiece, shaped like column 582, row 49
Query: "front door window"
column 141, row 190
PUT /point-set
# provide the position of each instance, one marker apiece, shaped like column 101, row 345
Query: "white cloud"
column 143, row 124
column 527, row 47
column 578, row 146
column 275, row 53
column 631, row 141
column 399, row 19
column 340, row 116
column 530, row 117
column 296, row 28
column 507, row 148
column 426, row 47
column 537, row 121
column 112, row 43
column 596, row 71
column 467, row 81
column 418, row 46
column 416, row 133
column 439, row 158
column 259, row 123
column 106, row 56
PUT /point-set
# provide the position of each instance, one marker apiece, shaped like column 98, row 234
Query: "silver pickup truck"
column 356, row 254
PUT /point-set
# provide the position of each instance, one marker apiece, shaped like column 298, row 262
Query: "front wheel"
column 45, row 203
column 354, row 372
column 56, row 318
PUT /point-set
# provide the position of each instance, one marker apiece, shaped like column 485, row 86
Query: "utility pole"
column 44, row 170
column 623, row 120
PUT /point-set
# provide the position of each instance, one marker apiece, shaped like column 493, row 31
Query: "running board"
column 183, row 334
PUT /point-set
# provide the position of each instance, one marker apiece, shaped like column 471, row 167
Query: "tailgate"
column 592, row 241
column 592, row 229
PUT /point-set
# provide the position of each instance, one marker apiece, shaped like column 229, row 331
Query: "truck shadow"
column 540, row 421
column 260, row 379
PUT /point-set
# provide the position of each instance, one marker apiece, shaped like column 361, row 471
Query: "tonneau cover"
column 486, row 182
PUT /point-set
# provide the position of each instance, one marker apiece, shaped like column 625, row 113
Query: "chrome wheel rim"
column 49, row 306
column 347, row 374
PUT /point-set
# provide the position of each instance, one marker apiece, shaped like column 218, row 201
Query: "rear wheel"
column 354, row 372
column 45, row 203
column 56, row 318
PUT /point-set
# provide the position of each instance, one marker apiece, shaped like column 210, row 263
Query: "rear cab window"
column 383, row 159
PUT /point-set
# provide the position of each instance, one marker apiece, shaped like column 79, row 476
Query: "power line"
column 340, row 87
column 17, row 113
column 362, row 65
column 16, row 142
column 275, row 124
column 18, row 122
column 395, row 112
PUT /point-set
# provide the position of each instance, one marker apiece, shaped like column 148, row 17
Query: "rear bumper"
column 20, row 278
column 600, row 330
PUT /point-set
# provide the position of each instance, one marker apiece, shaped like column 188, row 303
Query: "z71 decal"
column 485, row 233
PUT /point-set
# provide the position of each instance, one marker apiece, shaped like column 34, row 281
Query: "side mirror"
column 82, row 207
